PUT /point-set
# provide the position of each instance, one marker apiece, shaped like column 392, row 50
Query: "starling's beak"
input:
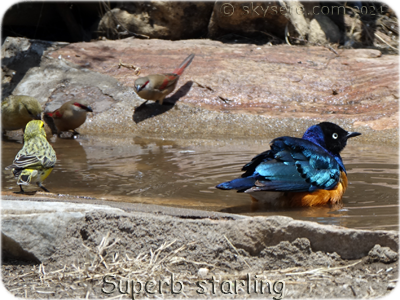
column 89, row 109
column 38, row 117
column 352, row 134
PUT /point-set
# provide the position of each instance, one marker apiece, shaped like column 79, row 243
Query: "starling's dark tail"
column 237, row 184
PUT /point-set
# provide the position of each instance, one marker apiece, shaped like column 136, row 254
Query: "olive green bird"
column 35, row 161
column 17, row 111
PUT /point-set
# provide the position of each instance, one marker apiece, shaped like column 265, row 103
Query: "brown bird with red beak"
column 70, row 115
column 157, row 86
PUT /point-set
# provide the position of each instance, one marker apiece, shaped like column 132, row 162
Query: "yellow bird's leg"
column 42, row 187
column 21, row 191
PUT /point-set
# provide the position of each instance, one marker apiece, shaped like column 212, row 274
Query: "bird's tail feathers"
column 10, row 167
column 179, row 70
column 253, row 184
column 237, row 184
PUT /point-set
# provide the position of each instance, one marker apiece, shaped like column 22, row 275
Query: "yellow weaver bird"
column 35, row 161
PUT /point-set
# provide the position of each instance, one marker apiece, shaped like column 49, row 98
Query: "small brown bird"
column 70, row 115
column 17, row 111
column 157, row 86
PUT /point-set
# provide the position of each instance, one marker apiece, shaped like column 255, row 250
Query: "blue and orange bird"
column 301, row 172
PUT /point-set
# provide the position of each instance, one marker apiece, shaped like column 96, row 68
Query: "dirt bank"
column 145, row 243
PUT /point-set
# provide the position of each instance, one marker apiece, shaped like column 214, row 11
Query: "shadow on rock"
column 22, row 55
column 146, row 111
column 8, row 259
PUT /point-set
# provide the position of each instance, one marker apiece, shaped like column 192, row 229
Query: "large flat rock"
column 37, row 230
column 230, row 89
column 33, row 230
column 279, row 81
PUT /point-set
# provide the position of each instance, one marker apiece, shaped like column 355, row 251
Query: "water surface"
column 183, row 173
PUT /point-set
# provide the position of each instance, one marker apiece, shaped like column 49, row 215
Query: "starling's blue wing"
column 292, row 164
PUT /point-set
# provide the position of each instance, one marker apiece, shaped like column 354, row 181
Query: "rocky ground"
column 211, row 254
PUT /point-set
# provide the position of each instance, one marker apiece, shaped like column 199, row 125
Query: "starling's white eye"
column 335, row 136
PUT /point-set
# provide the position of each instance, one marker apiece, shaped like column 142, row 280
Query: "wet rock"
column 157, row 19
column 382, row 254
column 33, row 230
column 323, row 30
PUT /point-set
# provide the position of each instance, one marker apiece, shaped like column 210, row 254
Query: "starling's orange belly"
column 316, row 198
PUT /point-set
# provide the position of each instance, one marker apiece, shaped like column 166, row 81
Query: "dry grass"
column 84, row 278
column 387, row 33
column 382, row 32
column 377, row 29
column 99, row 262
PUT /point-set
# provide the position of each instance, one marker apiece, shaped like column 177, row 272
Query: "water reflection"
column 183, row 173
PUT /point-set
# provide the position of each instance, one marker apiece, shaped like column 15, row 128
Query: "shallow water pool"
column 184, row 173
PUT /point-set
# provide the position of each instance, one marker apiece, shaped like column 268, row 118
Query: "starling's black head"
column 329, row 135
column 335, row 137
